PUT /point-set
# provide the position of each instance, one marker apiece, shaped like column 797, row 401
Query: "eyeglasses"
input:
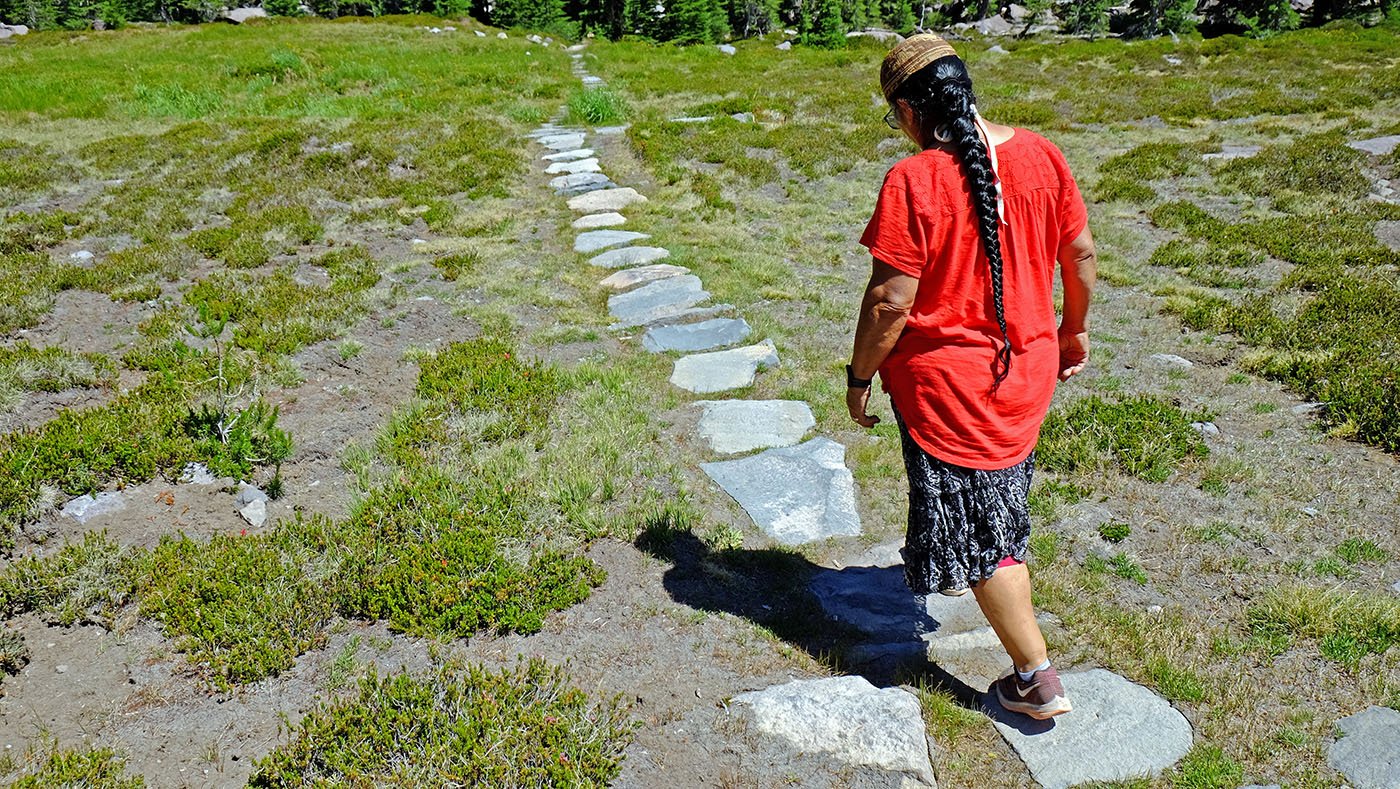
column 890, row 119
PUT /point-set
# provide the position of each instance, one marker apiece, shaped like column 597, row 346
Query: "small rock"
column 62, row 669
column 607, row 131
column 692, row 119
column 501, row 35
column 248, row 494
column 82, row 256
column 1395, row 587
column 1172, row 59
column 479, row 34
column 254, row 512
column 1016, row 12
column 731, row 426
column 1303, row 409
column 1311, row 512
column 998, row 49
column 847, row 717
column 629, row 256
column 1366, row 753
column 197, row 474
column 784, row 46
column 1154, row 609
column 743, row 117
column 592, row 221
column 795, row 494
column 727, row 49
column 84, row 508
column 1171, row 360
column 1206, row 428
column 719, row 371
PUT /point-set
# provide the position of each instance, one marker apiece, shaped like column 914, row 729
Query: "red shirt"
column 940, row 373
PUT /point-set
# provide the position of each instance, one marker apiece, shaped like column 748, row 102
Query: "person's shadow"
column 773, row 588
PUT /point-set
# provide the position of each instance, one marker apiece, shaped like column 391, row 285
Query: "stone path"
column 798, row 493
column 1368, row 752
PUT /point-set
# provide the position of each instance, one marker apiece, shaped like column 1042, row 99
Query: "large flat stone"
column 584, row 188
column 576, row 180
column 717, row 371
column 846, row 717
column 655, row 300
column 562, row 142
column 691, row 337
column 1116, row 731
column 591, row 221
column 632, row 277
column 629, row 256
column 731, row 426
column 794, row 494
column 581, row 166
column 1368, row 752
column 606, row 200
column 1377, row 146
column 693, row 314
column 594, row 240
column 568, row 156
column 552, row 130
column 1388, row 233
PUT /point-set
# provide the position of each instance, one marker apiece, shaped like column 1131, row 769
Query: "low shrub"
column 1144, row 436
column 462, row 725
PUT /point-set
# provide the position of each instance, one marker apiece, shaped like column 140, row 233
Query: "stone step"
column 656, row 300
column 562, row 142
column 606, row 219
column 589, row 165
column 795, row 494
column 629, row 256
column 576, row 180
column 632, row 277
column 692, row 337
column 718, row 371
column 732, row 426
column 606, row 200
column 594, row 240
column 568, row 156
column 1117, row 730
column 847, row 718
column 1368, row 752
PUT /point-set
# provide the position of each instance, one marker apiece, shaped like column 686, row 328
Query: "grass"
column 91, row 768
column 598, row 106
column 461, row 724
column 1142, row 435
column 24, row 368
column 1345, row 625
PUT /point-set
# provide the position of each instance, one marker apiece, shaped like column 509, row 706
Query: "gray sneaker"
column 1041, row 697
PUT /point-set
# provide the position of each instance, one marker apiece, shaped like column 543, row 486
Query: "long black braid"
column 941, row 94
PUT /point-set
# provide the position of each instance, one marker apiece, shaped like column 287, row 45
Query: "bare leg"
column 1005, row 599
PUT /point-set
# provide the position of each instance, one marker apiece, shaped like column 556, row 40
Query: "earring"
column 942, row 134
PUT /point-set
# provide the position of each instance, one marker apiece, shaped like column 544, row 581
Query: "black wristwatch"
column 852, row 382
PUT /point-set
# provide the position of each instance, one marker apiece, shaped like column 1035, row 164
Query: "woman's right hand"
column 1074, row 352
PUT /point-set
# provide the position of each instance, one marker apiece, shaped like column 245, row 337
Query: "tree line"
column 816, row 22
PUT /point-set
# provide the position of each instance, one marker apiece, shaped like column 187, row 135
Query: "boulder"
column 994, row 26
column 240, row 15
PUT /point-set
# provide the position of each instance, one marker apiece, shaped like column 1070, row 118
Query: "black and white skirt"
column 962, row 521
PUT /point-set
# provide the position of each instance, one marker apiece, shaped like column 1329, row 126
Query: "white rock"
column 795, row 494
column 846, row 717
column 629, row 256
column 248, row 494
column 591, row 221
column 727, row 49
column 692, row 119
column 1368, row 753
column 479, row 34
column 612, row 130
column 731, row 426
column 568, row 156
column 241, row 15
column 1306, row 408
column 1171, row 360
column 594, row 240
column 254, row 512
column 1206, row 428
column 501, row 35
column 84, row 508
column 998, row 49
column 589, row 165
column 1117, row 730
column 783, row 47
column 718, row 371
column 606, row 200
column 197, row 474
column 562, row 142
column 1377, row 146
column 632, row 277
column 82, row 256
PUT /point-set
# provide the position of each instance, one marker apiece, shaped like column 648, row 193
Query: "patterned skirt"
column 962, row 522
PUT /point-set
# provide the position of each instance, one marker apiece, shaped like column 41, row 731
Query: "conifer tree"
column 821, row 24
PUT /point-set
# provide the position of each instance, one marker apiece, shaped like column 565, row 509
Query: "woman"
column 959, row 320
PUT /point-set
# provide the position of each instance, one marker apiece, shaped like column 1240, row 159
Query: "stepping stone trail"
column 632, row 277
column 594, row 240
column 630, row 256
column 731, row 426
column 591, row 221
column 656, row 300
column 606, row 200
column 720, row 370
column 703, row 336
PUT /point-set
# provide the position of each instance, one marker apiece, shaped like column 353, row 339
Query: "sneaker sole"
column 1056, row 706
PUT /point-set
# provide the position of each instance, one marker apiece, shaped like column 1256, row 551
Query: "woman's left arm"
column 888, row 298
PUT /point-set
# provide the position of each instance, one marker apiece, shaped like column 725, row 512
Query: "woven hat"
column 908, row 57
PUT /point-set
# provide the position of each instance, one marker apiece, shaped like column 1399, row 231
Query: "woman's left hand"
column 857, row 399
